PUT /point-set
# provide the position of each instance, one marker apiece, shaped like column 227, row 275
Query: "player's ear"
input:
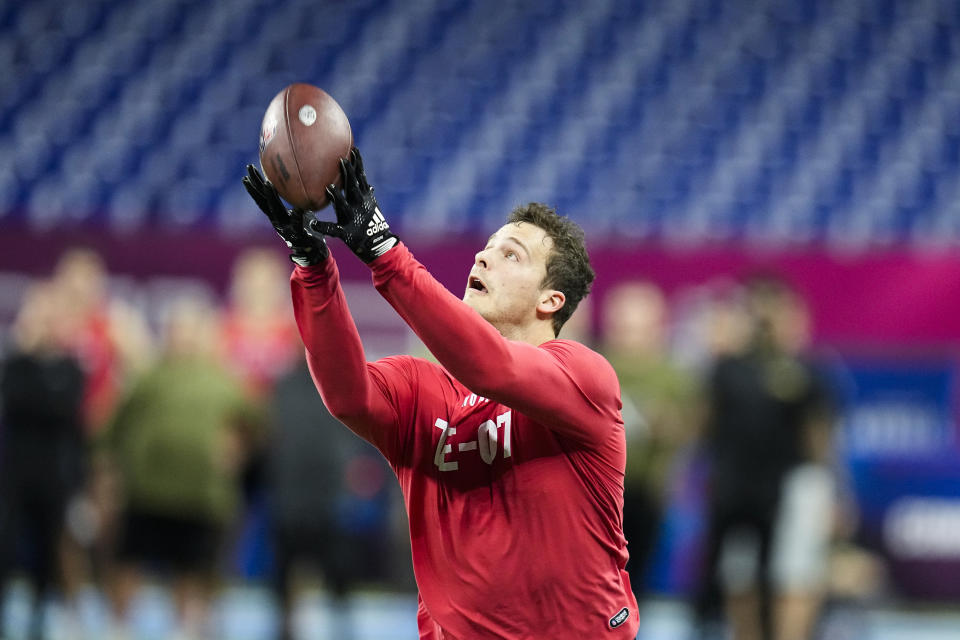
column 551, row 301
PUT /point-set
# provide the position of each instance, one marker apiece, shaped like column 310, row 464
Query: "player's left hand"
column 359, row 223
column 306, row 248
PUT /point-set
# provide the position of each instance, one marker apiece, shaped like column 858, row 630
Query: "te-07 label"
column 490, row 437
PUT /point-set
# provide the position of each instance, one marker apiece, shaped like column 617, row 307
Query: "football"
column 302, row 138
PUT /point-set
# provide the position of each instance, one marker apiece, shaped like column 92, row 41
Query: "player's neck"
column 535, row 334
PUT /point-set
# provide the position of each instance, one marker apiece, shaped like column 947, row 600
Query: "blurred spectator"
column 770, row 495
column 707, row 320
column 660, row 410
column 259, row 343
column 112, row 343
column 42, row 450
column 329, row 501
column 110, row 338
column 179, row 439
column 259, row 338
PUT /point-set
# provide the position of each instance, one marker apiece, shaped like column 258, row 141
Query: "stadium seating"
column 746, row 121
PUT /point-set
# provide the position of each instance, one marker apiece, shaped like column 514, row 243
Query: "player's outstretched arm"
column 353, row 390
column 561, row 384
column 334, row 351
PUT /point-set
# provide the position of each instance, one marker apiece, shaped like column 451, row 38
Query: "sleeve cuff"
column 387, row 265
column 318, row 274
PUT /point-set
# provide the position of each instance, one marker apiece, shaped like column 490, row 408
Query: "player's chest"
column 475, row 435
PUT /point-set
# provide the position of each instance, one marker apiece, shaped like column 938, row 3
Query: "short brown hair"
column 568, row 265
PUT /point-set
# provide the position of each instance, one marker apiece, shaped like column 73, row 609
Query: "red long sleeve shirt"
column 510, row 458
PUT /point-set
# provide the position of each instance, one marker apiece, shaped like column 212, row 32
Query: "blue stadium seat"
column 614, row 109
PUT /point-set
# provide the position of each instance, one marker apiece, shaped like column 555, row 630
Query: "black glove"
column 359, row 223
column 306, row 248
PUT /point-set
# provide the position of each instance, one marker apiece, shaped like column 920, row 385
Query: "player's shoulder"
column 577, row 354
column 572, row 348
column 589, row 370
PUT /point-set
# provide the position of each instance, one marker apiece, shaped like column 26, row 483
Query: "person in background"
column 811, row 510
column 113, row 344
column 110, row 338
column 258, row 337
column 328, row 502
column 42, row 451
column 179, row 440
column 258, row 342
column 661, row 407
column 769, row 415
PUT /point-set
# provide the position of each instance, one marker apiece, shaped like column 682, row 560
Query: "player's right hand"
column 359, row 223
column 306, row 247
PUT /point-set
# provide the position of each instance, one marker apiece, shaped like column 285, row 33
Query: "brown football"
column 302, row 138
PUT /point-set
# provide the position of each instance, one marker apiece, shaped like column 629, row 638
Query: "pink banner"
column 891, row 296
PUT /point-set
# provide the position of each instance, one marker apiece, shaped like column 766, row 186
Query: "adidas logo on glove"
column 377, row 223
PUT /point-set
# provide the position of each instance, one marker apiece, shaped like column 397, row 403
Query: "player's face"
column 504, row 285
